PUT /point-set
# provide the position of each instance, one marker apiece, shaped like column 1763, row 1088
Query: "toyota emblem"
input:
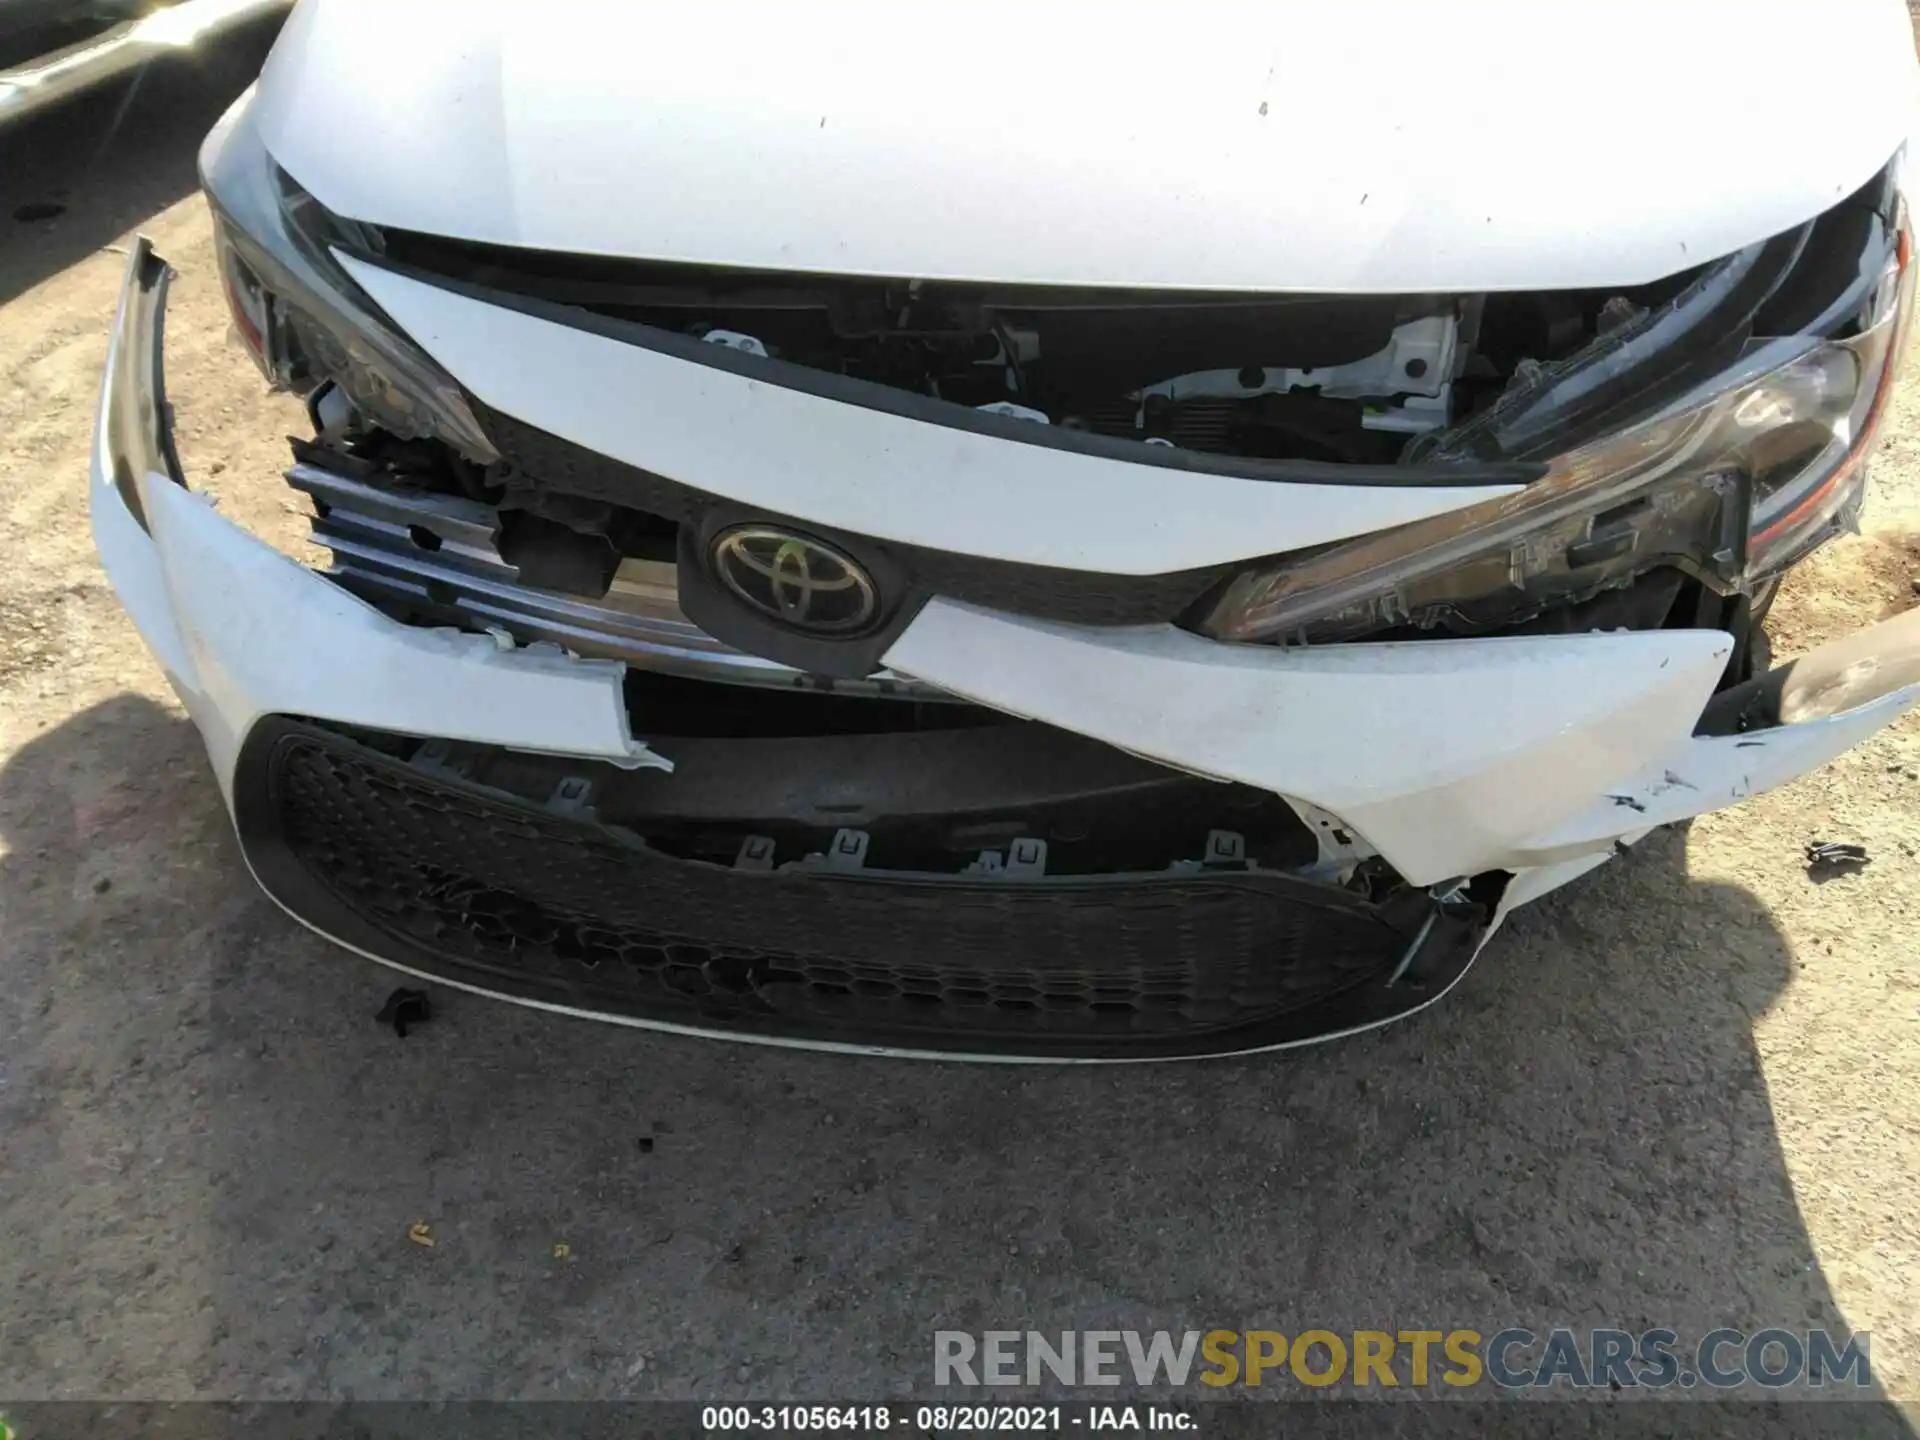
column 794, row 580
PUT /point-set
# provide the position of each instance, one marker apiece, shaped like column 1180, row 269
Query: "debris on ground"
column 405, row 1007
column 421, row 1233
column 1829, row 859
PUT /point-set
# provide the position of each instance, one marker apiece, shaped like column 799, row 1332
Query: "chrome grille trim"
column 372, row 531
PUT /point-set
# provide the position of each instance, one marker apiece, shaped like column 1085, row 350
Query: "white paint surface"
column 871, row 472
column 1445, row 755
column 1368, row 145
column 242, row 632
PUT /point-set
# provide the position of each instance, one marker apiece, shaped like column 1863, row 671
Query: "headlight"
column 299, row 314
column 1730, row 482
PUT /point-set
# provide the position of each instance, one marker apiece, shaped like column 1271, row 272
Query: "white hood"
column 1348, row 146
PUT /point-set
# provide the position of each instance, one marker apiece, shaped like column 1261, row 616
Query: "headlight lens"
column 299, row 314
column 1732, row 483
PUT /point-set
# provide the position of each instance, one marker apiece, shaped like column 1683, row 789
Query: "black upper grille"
column 454, row 879
column 542, row 460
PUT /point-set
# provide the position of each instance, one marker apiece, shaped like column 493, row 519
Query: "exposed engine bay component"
column 53, row 49
column 1017, row 412
column 1417, row 360
column 734, row 340
column 1270, row 377
column 1702, row 426
column 1722, row 433
column 1416, row 365
column 1267, row 376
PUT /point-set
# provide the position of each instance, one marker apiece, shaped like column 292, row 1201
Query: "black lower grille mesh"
column 487, row 890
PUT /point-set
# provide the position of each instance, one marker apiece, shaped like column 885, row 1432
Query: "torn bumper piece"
column 1483, row 772
column 242, row 631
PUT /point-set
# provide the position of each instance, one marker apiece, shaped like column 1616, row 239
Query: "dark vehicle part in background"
column 51, row 49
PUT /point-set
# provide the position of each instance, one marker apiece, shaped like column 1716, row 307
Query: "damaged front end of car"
column 1019, row 671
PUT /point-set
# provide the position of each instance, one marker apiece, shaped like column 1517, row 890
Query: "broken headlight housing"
column 297, row 311
column 1729, row 476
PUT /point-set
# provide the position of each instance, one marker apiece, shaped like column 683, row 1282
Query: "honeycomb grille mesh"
column 487, row 890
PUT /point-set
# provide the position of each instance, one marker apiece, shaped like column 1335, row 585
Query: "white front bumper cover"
column 1539, row 756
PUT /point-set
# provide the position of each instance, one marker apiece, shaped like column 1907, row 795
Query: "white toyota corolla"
column 1084, row 535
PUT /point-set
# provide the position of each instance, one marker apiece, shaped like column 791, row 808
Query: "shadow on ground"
column 214, row 1155
column 80, row 175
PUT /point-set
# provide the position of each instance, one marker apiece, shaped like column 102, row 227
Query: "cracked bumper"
column 1451, row 758
column 242, row 631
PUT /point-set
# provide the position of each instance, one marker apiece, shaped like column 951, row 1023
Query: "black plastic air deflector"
column 466, row 882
